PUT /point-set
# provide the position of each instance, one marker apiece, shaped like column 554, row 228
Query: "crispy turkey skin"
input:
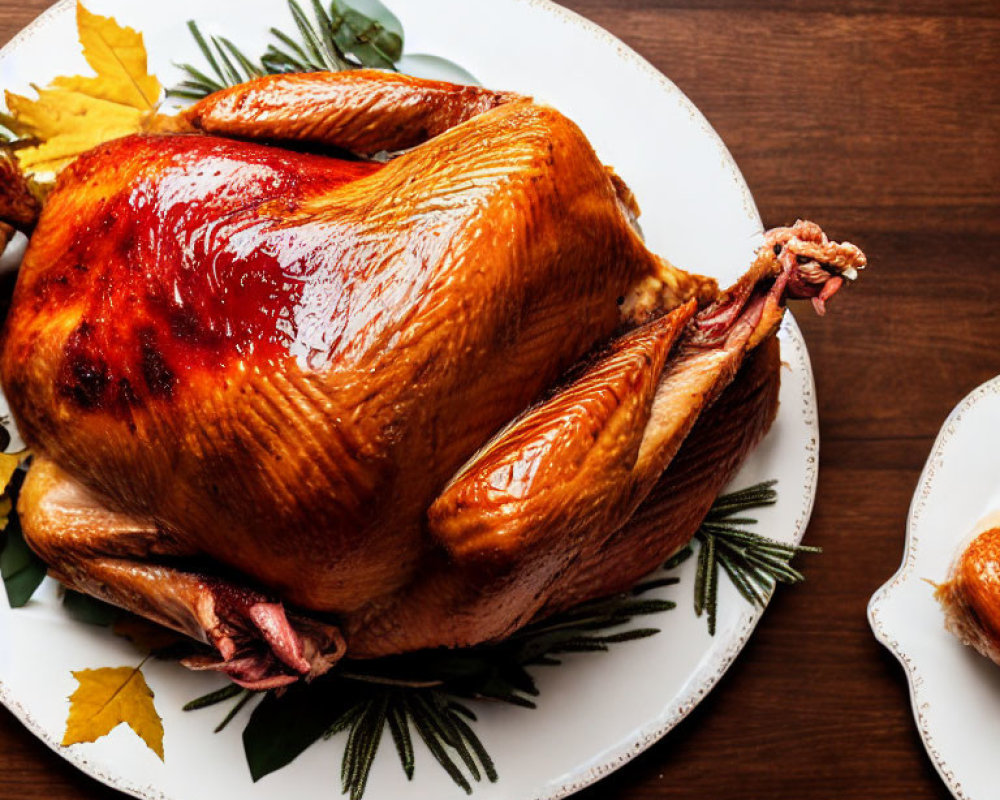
column 970, row 597
column 416, row 402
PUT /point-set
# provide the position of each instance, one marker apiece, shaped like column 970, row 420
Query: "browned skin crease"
column 274, row 362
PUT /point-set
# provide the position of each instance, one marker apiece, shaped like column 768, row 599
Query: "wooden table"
column 879, row 121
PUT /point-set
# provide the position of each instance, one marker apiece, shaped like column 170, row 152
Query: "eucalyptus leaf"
column 282, row 727
column 21, row 569
column 369, row 40
column 424, row 65
column 377, row 11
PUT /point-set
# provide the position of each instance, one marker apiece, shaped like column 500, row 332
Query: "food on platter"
column 970, row 597
column 296, row 402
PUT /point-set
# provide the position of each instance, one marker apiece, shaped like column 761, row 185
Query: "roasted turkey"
column 363, row 363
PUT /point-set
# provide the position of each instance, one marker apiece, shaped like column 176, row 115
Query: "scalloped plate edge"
column 904, row 573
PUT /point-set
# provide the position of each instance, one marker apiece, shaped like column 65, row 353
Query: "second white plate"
column 955, row 691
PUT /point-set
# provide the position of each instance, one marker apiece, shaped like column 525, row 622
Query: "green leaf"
column 21, row 569
column 428, row 732
column 205, row 50
column 368, row 31
column 423, row 65
column 319, row 51
column 281, row 728
column 367, row 41
column 433, row 708
column 679, row 557
column 90, row 610
column 477, row 746
column 377, row 11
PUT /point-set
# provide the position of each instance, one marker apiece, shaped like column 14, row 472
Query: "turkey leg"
column 126, row 562
column 575, row 451
column 669, row 516
column 795, row 262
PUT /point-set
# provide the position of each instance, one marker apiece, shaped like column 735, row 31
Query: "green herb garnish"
column 754, row 563
column 336, row 38
column 422, row 694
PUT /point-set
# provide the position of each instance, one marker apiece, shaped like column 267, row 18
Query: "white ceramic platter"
column 955, row 691
column 596, row 711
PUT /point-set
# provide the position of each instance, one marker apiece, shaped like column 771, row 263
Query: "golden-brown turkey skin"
column 669, row 516
column 280, row 358
column 523, row 563
column 971, row 595
column 426, row 396
column 542, row 515
column 378, row 110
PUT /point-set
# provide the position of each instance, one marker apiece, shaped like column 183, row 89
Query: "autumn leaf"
column 106, row 698
column 8, row 464
column 76, row 113
column 118, row 56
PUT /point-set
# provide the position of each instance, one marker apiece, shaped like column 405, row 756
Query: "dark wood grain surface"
column 880, row 121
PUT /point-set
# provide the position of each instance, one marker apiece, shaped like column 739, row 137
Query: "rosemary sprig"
column 212, row 698
column 753, row 563
column 226, row 63
column 336, row 38
column 420, row 694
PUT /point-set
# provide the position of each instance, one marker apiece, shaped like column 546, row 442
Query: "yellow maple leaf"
column 76, row 113
column 118, row 56
column 8, row 464
column 106, row 698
